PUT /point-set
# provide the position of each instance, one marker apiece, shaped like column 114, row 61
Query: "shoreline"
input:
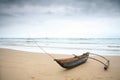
column 64, row 46
column 22, row 65
column 37, row 50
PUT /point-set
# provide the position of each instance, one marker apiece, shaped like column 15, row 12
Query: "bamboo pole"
column 99, row 56
column 105, row 65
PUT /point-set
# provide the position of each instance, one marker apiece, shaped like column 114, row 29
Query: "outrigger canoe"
column 69, row 63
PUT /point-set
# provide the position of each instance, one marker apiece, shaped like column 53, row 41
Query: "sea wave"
column 114, row 46
column 86, row 44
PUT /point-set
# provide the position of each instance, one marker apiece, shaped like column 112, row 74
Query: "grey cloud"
column 60, row 2
column 5, row 15
column 65, row 7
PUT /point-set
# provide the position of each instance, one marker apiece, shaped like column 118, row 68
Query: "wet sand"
column 21, row 65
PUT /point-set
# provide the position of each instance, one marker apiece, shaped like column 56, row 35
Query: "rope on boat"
column 44, row 50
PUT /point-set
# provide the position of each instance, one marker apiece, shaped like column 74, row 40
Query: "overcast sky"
column 60, row 18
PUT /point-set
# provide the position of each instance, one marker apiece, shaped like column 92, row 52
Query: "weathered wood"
column 72, row 62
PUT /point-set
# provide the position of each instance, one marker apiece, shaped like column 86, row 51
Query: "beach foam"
column 101, row 46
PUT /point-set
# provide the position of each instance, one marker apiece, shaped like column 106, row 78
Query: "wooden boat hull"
column 72, row 62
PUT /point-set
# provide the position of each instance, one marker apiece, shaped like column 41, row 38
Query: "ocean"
column 102, row 46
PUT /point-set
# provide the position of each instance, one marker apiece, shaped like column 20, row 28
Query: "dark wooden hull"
column 72, row 62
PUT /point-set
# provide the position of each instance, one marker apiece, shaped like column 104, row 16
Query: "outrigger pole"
column 105, row 65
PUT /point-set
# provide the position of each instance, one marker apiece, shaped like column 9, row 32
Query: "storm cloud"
column 60, row 7
column 40, row 14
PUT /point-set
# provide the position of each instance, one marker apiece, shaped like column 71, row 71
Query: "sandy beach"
column 21, row 65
